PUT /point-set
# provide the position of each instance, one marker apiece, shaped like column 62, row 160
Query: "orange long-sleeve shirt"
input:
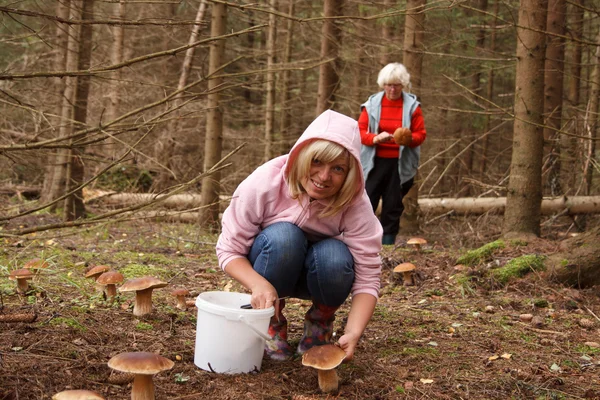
column 391, row 119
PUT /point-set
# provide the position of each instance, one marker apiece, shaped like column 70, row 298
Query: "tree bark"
column 553, row 92
column 113, row 91
column 60, row 60
column 58, row 174
column 414, row 33
column 593, row 127
column 285, row 104
column 74, row 207
column 270, row 85
column 522, row 216
column 330, row 45
column 214, row 120
column 569, row 144
column 165, row 147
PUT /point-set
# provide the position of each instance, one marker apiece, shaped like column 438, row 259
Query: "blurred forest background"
column 147, row 96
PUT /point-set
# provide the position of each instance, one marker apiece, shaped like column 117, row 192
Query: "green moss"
column 143, row 326
column 68, row 322
column 139, row 270
column 477, row 256
column 540, row 303
column 518, row 267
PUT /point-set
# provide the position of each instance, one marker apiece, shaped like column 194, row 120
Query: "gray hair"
column 394, row 73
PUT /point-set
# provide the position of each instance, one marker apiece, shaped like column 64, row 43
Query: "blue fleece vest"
column 408, row 157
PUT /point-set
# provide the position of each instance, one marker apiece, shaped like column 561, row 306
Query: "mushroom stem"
column 181, row 304
column 143, row 387
column 111, row 291
column 143, row 302
column 328, row 380
column 22, row 285
column 407, row 278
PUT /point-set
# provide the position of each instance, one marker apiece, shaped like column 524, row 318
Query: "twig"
column 591, row 312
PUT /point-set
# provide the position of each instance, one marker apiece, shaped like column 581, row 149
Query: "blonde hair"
column 325, row 151
column 394, row 73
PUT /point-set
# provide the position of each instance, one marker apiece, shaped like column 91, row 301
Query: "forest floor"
column 456, row 334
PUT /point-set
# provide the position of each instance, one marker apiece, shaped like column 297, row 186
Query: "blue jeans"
column 322, row 271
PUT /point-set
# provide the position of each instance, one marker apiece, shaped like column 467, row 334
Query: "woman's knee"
column 330, row 271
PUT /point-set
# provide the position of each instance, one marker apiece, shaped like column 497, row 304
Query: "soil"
column 455, row 334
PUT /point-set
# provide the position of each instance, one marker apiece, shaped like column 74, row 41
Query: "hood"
column 337, row 128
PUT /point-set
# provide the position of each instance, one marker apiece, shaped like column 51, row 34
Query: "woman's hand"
column 348, row 343
column 264, row 295
column 382, row 138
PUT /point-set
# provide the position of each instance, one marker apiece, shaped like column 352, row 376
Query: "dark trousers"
column 383, row 183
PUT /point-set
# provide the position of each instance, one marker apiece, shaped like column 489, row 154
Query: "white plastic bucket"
column 230, row 339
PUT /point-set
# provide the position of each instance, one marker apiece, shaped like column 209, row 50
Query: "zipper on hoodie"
column 302, row 217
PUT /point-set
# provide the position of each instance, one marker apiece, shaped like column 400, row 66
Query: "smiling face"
column 393, row 91
column 325, row 180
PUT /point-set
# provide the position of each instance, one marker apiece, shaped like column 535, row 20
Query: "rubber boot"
column 388, row 238
column 318, row 327
column 278, row 348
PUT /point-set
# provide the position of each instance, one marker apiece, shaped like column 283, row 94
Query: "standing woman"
column 301, row 226
column 391, row 131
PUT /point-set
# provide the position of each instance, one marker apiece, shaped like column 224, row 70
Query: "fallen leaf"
column 426, row 381
column 492, row 358
column 506, row 356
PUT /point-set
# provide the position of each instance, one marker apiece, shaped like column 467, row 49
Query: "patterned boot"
column 278, row 349
column 318, row 327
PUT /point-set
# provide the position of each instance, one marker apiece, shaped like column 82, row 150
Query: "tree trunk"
column 58, row 175
column 593, row 127
column 330, row 45
column 113, row 91
column 386, row 34
column 553, row 92
column 569, row 143
column 489, row 95
column 74, row 207
column 214, row 120
column 522, row 216
column 285, row 104
column 270, row 85
column 60, row 62
column 165, row 146
column 414, row 33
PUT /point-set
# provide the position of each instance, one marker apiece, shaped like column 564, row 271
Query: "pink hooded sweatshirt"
column 263, row 199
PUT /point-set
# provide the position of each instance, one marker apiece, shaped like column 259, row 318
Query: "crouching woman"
column 301, row 225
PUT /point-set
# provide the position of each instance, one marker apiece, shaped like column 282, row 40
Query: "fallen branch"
column 23, row 317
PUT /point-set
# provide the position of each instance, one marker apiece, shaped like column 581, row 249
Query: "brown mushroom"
column 143, row 288
column 180, row 294
column 325, row 359
column 77, row 395
column 110, row 279
column 21, row 276
column 143, row 365
column 406, row 269
column 96, row 271
column 417, row 242
column 35, row 265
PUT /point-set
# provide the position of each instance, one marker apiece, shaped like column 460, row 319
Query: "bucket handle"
column 249, row 325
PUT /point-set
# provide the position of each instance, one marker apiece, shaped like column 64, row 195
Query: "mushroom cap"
column 404, row 267
column 143, row 283
column 77, row 395
column 180, row 292
column 36, row 263
column 416, row 240
column 141, row 362
column 325, row 357
column 97, row 270
column 20, row 274
column 110, row 278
